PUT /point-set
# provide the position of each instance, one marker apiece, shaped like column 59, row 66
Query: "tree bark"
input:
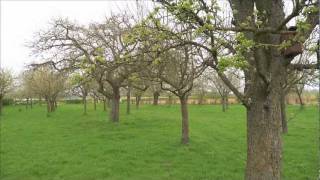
column 264, row 143
column 128, row 100
column 115, row 103
column 156, row 98
column 185, row 119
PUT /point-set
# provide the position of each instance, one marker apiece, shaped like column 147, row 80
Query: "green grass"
column 144, row 145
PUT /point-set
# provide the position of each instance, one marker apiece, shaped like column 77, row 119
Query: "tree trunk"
column 53, row 105
column 84, row 101
column 115, row 103
column 95, row 103
column 138, row 98
column 227, row 101
column 262, row 89
column 264, row 144
column 48, row 107
column 104, row 104
column 300, row 99
column 223, row 103
column 185, row 119
column 128, row 100
column 283, row 112
column 156, row 98
column 264, row 141
column 169, row 99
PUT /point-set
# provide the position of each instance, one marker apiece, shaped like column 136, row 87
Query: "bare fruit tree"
column 48, row 83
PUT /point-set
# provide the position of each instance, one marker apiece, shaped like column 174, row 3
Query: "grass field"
column 144, row 145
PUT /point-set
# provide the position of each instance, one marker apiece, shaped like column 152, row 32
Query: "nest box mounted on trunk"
column 296, row 48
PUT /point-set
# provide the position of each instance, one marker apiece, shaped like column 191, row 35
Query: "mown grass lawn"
column 144, row 145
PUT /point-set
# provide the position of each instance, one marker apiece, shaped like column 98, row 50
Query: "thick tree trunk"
column 138, row 98
column 115, row 103
column 264, row 141
column 84, row 101
column 185, row 119
column 156, row 98
column 283, row 112
column 264, row 144
column 128, row 100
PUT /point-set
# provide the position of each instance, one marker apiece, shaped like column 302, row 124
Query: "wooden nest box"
column 296, row 48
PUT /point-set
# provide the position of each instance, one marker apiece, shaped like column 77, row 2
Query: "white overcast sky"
column 21, row 19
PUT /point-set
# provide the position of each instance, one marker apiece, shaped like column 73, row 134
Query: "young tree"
column 223, row 90
column 6, row 82
column 46, row 82
column 178, row 69
column 81, row 86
